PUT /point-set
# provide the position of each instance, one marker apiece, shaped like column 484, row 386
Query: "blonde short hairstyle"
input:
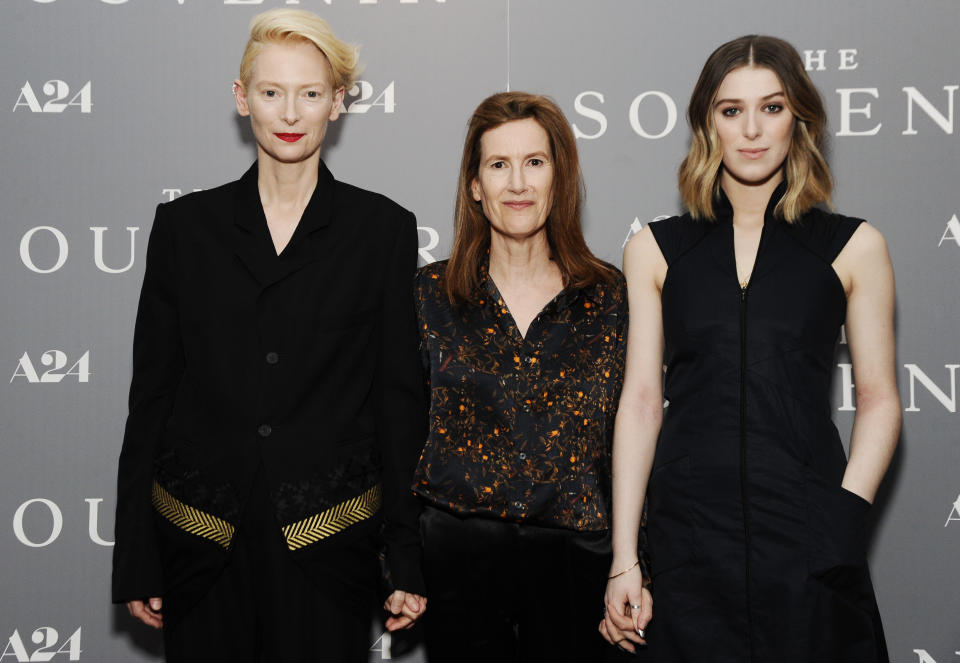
column 278, row 26
column 809, row 181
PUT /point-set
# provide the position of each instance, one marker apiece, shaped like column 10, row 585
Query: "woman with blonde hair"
column 276, row 407
column 756, row 520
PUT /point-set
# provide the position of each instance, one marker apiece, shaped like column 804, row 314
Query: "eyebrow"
column 276, row 84
column 778, row 93
column 498, row 157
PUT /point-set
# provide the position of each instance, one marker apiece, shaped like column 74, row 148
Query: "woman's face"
column 290, row 100
column 754, row 125
column 515, row 180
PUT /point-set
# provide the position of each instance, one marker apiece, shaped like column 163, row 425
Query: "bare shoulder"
column 864, row 263
column 642, row 258
column 866, row 243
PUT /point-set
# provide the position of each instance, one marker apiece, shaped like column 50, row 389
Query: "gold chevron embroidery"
column 333, row 520
column 190, row 519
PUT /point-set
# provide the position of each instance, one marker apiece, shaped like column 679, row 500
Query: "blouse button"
column 518, row 504
column 523, row 456
column 527, row 359
column 526, row 407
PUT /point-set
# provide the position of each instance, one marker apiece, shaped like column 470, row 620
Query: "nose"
column 518, row 181
column 751, row 125
column 290, row 113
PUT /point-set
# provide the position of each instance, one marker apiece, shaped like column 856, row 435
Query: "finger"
column 607, row 634
column 617, row 617
column 156, row 604
column 398, row 623
column 412, row 603
column 625, row 645
column 604, row 632
column 631, row 635
column 630, row 632
column 614, row 634
column 646, row 610
column 139, row 610
column 396, row 602
column 638, row 611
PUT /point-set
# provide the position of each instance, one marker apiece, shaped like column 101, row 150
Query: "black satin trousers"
column 500, row 592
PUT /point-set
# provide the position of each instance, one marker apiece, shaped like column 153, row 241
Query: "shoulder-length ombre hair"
column 471, row 230
column 806, row 171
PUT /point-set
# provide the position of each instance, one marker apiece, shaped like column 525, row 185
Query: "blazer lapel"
column 304, row 246
column 251, row 238
column 252, row 242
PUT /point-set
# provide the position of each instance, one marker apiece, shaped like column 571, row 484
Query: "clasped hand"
column 405, row 608
column 628, row 608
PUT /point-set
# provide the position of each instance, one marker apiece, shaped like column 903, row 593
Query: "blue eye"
column 773, row 108
column 313, row 94
column 730, row 112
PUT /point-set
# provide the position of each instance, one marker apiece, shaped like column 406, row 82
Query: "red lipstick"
column 290, row 138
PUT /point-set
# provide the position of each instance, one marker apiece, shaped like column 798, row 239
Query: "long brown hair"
column 808, row 176
column 471, row 230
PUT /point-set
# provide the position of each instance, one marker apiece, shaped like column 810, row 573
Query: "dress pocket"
column 847, row 620
column 836, row 523
column 669, row 527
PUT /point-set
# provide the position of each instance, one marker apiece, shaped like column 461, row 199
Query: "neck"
column 520, row 260
column 749, row 201
column 286, row 184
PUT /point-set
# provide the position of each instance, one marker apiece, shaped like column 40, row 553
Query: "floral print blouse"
column 521, row 428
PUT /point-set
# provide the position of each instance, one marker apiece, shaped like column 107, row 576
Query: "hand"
column 405, row 608
column 622, row 625
column 147, row 611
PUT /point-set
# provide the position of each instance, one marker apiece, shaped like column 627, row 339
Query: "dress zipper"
column 744, row 495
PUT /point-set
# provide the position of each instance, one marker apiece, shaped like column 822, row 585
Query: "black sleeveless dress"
column 757, row 552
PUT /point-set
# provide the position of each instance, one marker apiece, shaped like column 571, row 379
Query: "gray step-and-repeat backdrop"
column 111, row 106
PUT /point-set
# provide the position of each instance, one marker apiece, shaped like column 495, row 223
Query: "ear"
column 475, row 189
column 337, row 103
column 240, row 96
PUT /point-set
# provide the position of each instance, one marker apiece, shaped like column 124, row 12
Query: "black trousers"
column 501, row 592
column 265, row 608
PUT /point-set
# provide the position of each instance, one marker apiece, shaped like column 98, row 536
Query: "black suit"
column 300, row 371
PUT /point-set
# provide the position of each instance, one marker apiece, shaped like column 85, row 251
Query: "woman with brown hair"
column 523, row 335
column 756, row 519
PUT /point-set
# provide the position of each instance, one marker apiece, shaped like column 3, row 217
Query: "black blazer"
column 302, row 366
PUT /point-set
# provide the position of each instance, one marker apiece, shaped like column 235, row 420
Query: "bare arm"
column 637, row 427
column 865, row 269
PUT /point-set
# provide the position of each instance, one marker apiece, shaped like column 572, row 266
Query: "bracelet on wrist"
column 620, row 573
